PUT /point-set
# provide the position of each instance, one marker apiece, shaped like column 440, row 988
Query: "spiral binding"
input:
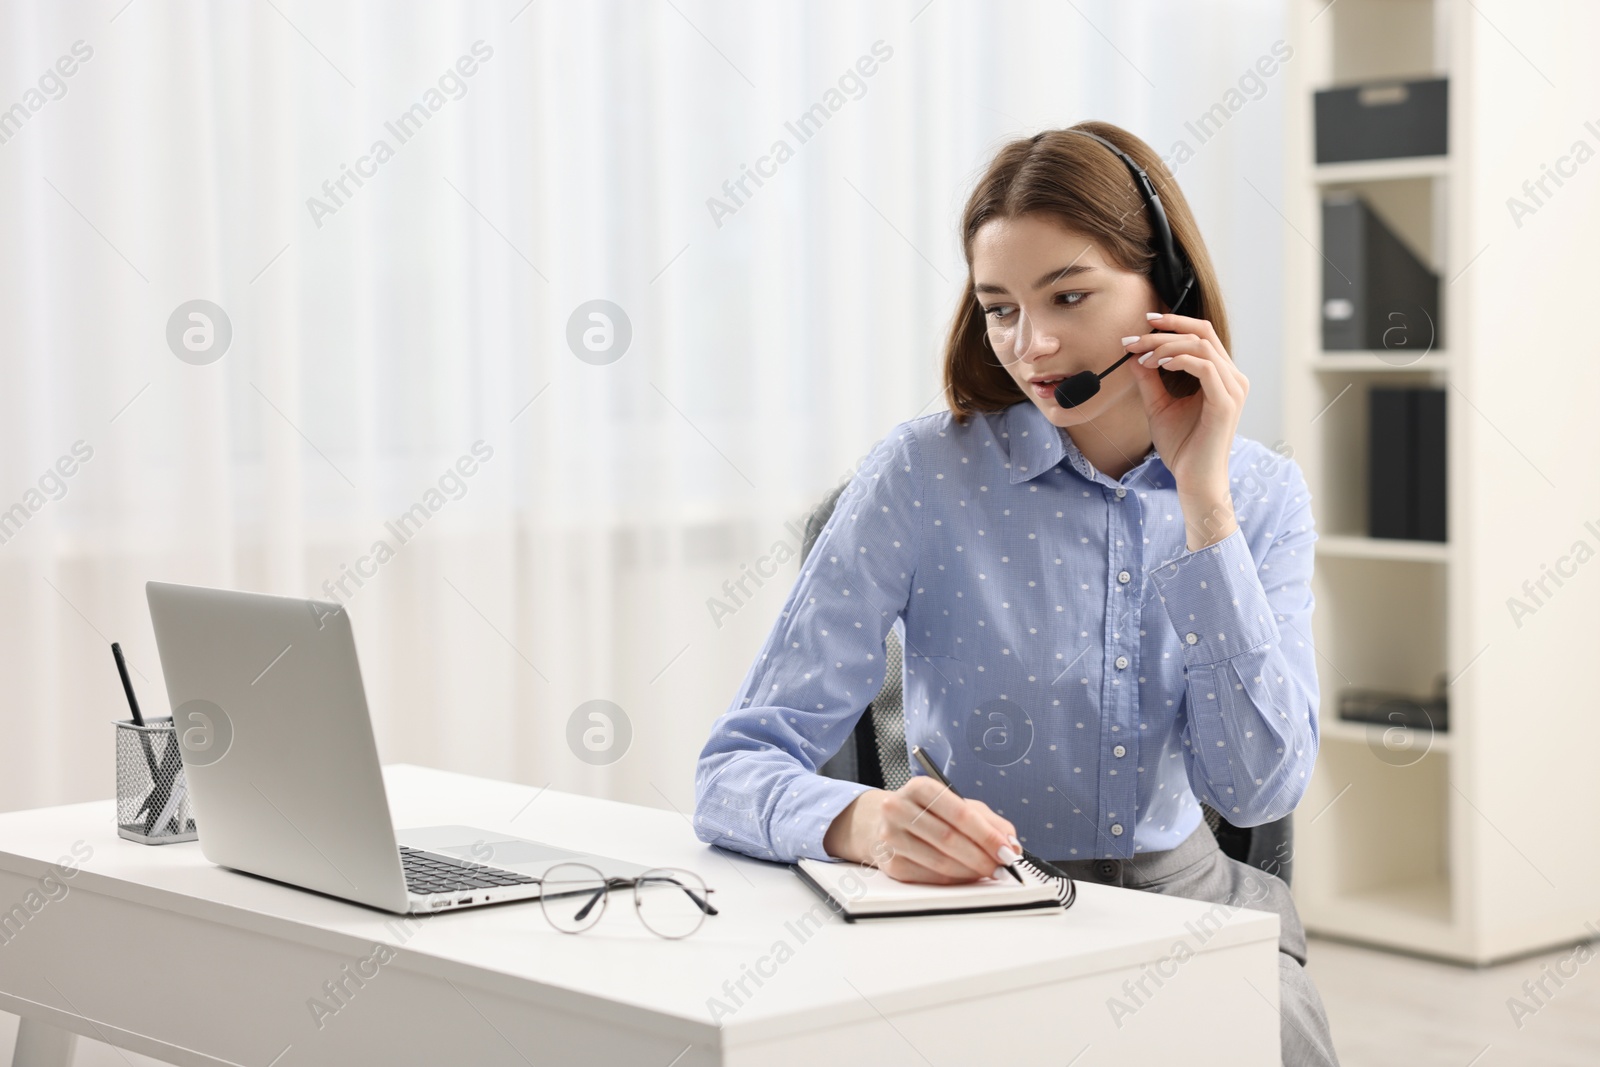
column 1047, row 872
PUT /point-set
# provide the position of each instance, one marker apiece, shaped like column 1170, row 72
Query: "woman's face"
column 1066, row 306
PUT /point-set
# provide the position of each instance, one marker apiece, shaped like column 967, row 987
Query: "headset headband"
column 1171, row 275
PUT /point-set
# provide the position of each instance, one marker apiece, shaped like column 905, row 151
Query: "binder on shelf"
column 1428, row 417
column 1383, row 120
column 1376, row 293
column 1406, row 464
column 1389, row 463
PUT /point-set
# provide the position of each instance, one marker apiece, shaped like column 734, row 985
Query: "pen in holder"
column 152, row 796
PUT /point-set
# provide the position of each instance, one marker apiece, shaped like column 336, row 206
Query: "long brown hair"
column 1089, row 190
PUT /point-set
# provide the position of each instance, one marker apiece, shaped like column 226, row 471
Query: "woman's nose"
column 1029, row 342
column 1033, row 345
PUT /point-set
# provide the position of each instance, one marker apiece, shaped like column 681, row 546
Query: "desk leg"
column 42, row 1045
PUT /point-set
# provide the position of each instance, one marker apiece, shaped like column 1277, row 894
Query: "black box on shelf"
column 1406, row 463
column 1383, row 120
column 1378, row 708
column 1376, row 293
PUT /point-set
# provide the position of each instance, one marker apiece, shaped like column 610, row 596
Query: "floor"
column 1390, row 1009
column 1385, row 1010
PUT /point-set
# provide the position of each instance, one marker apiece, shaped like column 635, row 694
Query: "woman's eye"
column 1001, row 311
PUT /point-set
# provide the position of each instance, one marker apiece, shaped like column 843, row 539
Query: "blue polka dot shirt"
column 1068, row 661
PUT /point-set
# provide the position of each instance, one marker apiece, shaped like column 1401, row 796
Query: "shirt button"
column 1121, row 493
column 1191, row 638
column 1116, row 829
column 1124, row 576
column 1122, row 662
column 1119, row 751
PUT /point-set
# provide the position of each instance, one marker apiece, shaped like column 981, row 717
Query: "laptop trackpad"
column 485, row 846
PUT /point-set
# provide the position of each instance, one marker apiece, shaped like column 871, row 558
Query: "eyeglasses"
column 671, row 902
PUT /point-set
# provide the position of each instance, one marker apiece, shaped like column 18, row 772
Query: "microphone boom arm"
column 1081, row 387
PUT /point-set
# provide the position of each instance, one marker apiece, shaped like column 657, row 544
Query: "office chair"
column 875, row 754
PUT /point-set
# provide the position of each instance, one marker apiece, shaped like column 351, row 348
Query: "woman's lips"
column 1045, row 390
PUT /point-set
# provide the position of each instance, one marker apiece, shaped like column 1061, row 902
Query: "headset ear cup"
column 1175, row 294
column 1184, row 293
column 1163, row 282
column 1173, row 282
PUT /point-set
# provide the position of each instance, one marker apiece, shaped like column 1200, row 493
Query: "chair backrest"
column 876, row 753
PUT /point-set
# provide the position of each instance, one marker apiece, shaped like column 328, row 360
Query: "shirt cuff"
column 1215, row 601
column 809, row 804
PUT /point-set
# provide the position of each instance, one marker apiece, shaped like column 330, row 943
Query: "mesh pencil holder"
column 152, row 795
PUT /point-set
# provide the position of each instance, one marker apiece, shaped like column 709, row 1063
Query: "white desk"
column 157, row 951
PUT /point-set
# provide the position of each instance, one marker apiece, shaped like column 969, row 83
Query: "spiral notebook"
column 860, row 892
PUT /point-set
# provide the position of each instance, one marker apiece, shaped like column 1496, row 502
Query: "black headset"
column 1171, row 276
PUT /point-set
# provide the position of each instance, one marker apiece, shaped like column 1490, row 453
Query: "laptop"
column 278, row 751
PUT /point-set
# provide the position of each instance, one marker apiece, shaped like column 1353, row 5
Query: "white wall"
column 373, row 346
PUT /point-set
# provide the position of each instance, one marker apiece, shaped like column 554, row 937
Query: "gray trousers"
column 1199, row 870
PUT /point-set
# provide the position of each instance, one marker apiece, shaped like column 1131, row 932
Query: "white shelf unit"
column 1478, row 844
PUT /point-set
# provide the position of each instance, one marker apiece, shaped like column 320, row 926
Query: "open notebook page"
column 864, row 891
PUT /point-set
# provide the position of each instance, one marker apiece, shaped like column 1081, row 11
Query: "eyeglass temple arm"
column 704, row 905
column 595, row 898
column 583, row 912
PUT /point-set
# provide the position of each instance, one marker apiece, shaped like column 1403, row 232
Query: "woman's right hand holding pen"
column 923, row 832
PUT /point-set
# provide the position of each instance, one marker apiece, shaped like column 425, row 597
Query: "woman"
column 1106, row 606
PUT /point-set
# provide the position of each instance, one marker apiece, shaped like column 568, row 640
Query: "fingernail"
column 1152, row 314
column 1007, row 857
column 1126, row 341
column 999, row 872
column 1017, row 844
column 1163, row 361
column 1144, row 360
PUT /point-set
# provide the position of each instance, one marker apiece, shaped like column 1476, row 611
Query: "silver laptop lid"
column 276, row 739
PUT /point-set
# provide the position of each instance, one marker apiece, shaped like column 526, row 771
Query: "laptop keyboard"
column 427, row 872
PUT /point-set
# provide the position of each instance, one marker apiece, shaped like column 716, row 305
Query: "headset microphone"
column 1170, row 275
column 1081, row 387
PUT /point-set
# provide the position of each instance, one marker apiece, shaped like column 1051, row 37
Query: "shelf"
column 1379, row 362
column 1379, row 625
column 1409, row 915
column 1425, row 848
column 1417, row 900
column 1372, row 851
column 1349, row 546
column 1381, row 170
column 1356, row 733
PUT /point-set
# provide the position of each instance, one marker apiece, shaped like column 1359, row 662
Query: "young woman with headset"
column 1104, row 590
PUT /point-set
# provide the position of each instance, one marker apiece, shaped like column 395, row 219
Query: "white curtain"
column 383, row 330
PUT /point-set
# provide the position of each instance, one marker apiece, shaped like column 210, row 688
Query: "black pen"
column 127, row 683
column 157, row 796
column 933, row 772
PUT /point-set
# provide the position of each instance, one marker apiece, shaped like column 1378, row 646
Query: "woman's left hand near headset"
column 1194, row 434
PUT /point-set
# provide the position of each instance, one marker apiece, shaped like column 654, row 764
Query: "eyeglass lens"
column 573, row 896
column 672, row 902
